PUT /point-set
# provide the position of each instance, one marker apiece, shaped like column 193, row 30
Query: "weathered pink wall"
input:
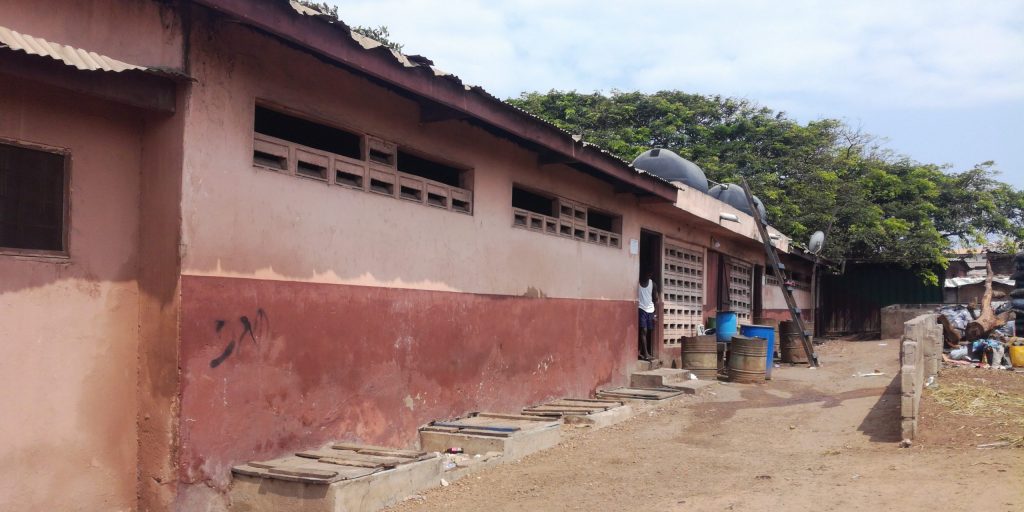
column 69, row 326
column 382, row 314
column 375, row 315
column 272, row 366
column 141, row 32
column 352, row 237
column 158, row 392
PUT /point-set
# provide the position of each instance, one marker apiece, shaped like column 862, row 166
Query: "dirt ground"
column 808, row 440
column 995, row 420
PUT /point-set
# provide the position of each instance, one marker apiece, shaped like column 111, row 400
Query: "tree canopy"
column 875, row 204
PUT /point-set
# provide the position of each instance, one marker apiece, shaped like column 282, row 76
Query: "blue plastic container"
column 725, row 325
column 766, row 332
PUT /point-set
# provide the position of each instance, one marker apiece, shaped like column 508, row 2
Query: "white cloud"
column 874, row 53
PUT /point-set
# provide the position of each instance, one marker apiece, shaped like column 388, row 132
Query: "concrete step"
column 659, row 378
column 691, row 387
column 642, row 366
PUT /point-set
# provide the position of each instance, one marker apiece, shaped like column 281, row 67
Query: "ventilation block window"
column 306, row 149
column 564, row 218
column 33, row 209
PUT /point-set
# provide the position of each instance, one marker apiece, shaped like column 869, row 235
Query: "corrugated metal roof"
column 75, row 57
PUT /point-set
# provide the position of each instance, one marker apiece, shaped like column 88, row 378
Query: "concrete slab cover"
column 571, row 406
column 512, row 435
column 660, row 377
column 640, row 393
column 339, row 478
column 593, row 412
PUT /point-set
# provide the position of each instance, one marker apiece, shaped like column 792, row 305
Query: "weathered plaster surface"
column 271, row 366
column 69, row 326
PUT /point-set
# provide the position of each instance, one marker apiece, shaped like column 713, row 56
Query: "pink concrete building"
column 231, row 229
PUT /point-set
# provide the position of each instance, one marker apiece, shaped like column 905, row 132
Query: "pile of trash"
column 990, row 352
column 454, row 458
column 984, row 353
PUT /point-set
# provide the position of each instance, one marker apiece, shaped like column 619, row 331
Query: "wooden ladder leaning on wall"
column 777, row 267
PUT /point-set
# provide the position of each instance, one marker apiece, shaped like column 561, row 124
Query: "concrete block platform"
column 691, row 387
column 641, row 365
column 339, row 478
column 639, row 393
column 512, row 435
column 594, row 412
column 659, row 378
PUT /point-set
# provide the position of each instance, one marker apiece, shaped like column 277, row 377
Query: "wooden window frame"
column 65, row 252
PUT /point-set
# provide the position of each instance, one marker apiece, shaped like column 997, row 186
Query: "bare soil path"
column 821, row 440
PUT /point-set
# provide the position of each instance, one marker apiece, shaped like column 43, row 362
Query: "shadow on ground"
column 882, row 423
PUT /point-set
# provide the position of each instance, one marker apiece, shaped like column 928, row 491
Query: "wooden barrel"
column 791, row 346
column 700, row 356
column 747, row 358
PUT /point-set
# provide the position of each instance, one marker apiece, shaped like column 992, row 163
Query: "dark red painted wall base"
column 270, row 367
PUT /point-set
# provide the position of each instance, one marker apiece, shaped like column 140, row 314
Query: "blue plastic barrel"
column 766, row 332
column 725, row 325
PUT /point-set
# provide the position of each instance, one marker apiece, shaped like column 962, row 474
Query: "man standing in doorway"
column 646, row 299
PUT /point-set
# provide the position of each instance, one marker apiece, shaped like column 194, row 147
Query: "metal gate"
column 682, row 292
column 741, row 289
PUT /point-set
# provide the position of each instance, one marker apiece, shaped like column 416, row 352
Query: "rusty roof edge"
column 319, row 33
column 78, row 58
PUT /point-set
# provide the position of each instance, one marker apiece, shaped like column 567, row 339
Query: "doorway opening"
column 650, row 265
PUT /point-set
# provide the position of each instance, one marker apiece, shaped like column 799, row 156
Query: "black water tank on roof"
column 733, row 195
column 669, row 166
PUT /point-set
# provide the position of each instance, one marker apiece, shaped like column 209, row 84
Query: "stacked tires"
column 1017, row 295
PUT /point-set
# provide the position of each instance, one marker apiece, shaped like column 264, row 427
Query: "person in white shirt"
column 647, row 297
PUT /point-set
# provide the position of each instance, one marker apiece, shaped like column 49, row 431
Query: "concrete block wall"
column 920, row 354
column 895, row 316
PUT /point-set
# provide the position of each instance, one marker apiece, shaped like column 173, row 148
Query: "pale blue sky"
column 943, row 81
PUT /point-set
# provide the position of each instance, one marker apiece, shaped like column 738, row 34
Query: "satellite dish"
column 816, row 243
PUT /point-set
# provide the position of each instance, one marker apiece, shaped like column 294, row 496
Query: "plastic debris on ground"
column 452, row 461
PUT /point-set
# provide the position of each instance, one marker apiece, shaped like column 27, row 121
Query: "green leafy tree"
column 876, row 205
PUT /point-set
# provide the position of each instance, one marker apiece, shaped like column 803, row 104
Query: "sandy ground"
column 809, row 440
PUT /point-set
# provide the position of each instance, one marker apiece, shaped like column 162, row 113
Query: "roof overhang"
column 445, row 97
column 85, row 72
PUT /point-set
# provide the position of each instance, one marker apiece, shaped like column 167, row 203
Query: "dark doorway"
column 757, row 304
column 650, row 261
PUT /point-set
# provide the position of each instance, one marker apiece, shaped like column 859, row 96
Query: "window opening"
column 429, row 169
column 307, row 133
column 306, row 149
column 536, row 203
column 600, row 220
column 32, row 199
column 557, row 216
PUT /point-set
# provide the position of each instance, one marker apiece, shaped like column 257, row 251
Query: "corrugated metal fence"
column 851, row 302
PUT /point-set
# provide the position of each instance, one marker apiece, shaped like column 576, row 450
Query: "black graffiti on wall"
column 246, row 330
